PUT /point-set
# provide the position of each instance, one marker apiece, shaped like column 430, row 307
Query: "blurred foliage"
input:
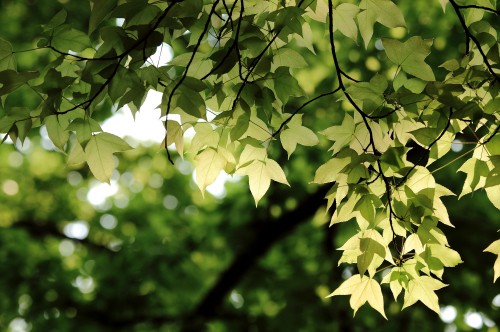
column 155, row 247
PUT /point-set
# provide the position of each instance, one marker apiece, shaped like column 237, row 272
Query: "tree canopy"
column 374, row 105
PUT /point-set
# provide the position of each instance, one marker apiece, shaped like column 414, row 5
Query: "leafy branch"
column 469, row 36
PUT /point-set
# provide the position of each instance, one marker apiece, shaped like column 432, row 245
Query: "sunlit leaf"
column 209, row 164
column 410, row 55
column 343, row 18
column 362, row 289
column 99, row 154
column 422, row 289
column 382, row 11
column 494, row 248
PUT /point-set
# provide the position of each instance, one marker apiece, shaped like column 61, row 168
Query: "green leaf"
column 373, row 252
column 329, row 172
column 422, row 289
column 190, row 102
column 397, row 279
column 297, row 134
column 70, row 39
column 56, row 131
column 57, row 20
column 100, row 11
column 84, row 129
column 343, row 20
column 493, row 194
column 7, row 59
column 493, row 145
column 412, row 243
column 370, row 93
column 99, row 154
column 494, row 248
column 289, row 58
column 428, row 233
column 12, row 80
column 383, row 11
column 410, row 55
column 76, row 156
column 362, row 289
column 340, row 135
column 477, row 171
column 285, row 85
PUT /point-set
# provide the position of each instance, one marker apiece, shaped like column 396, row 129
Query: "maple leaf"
column 410, row 55
column 382, row 11
column 362, row 289
column 494, row 248
column 422, row 289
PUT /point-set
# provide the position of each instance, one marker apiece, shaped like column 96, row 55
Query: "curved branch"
column 340, row 73
column 47, row 229
column 403, row 180
column 86, row 104
column 265, row 236
column 469, row 36
column 283, row 124
column 183, row 77
column 491, row 10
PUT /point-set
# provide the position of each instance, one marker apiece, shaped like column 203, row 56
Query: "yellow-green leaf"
column 208, row 165
column 7, row 59
column 297, row 135
column 362, row 289
column 57, row 133
column 330, row 171
column 77, row 155
column 422, row 289
column 175, row 135
column 383, row 11
column 410, row 55
column 443, row 4
column 343, row 20
column 494, row 248
column 258, row 178
column 275, row 172
column 373, row 252
column 341, row 135
column 99, row 154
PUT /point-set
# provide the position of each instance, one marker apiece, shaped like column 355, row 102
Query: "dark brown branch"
column 283, row 124
column 86, row 104
column 37, row 229
column 403, row 180
column 469, row 36
column 184, row 75
column 234, row 44
column 264, row 237
column 340, row 73
column 491, row 10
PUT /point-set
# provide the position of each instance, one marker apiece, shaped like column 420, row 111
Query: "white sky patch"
column 99, row 192
column 217, row 188
column 147, row 126
column 496, row 301
column 84, row 284
column 164, row 53
column 76, row 230
column 448, row 314
column 457, row 145
column 18, row 325
column 474, row 320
